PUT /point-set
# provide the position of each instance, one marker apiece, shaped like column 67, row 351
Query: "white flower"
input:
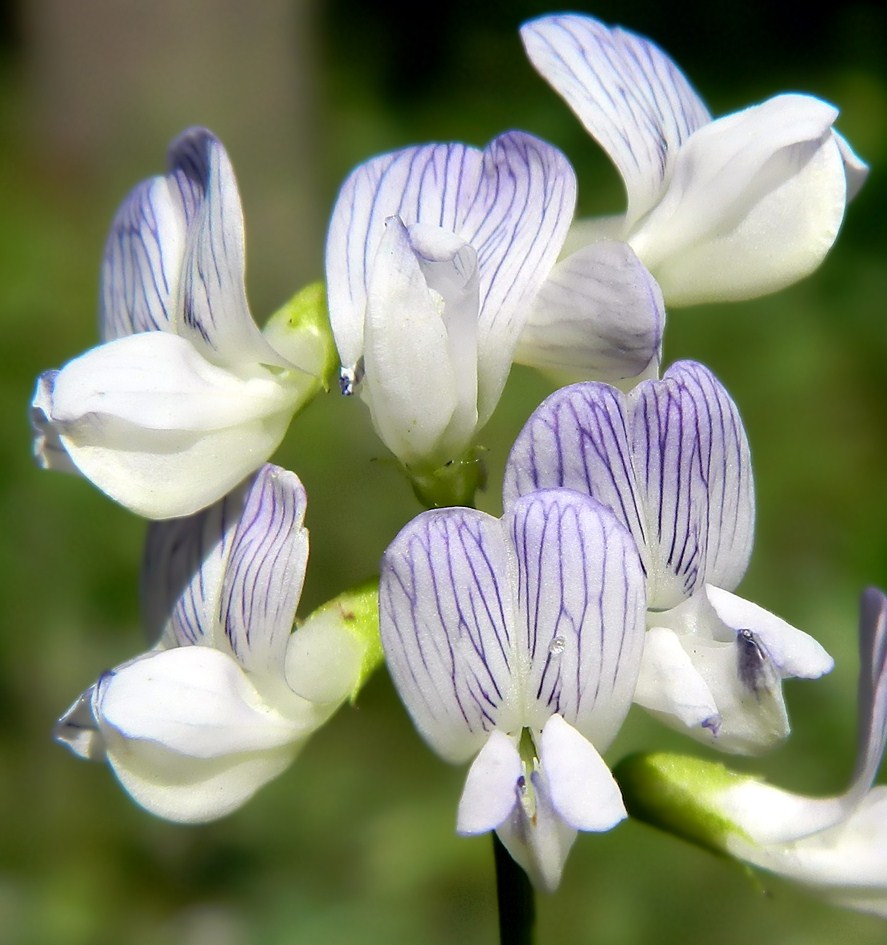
column 435, row 256
column 717, row 209
column 225, row 699
column 185, row 397
column 518, row 641
column 671, row 460
column 835, row 846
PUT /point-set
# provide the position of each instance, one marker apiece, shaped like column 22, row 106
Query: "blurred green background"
column 355, row 844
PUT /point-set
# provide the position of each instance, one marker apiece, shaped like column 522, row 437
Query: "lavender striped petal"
column 214, row 314
column 419, row 185
column 265, row 570
column 142, row 264
column 581, row 607
column 599, row 314
column 517, row 223
column 693, row 470
column 212, row 578
column 446, row 617
column 579, row 438
column 513, row 202
column 626, row 92
column 872, row 687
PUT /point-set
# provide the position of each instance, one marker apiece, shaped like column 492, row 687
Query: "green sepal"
column 679, row 794
column 300, row 331
column 453, row 484
column 357, row 612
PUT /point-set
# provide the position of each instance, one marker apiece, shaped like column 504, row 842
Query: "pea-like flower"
column 185, row 397
column 717, row 209
column 517, row 642
column 229, row 694
column 836, row 847
column 671, row 460
column 435, row 259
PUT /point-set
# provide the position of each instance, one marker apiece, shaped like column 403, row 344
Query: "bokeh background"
column 355, row 844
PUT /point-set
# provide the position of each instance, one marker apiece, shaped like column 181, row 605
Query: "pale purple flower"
column 517, row 642
column 671, row 460
column 435, row 259
column 185, row 396
column 227, row 695
column 717, row 209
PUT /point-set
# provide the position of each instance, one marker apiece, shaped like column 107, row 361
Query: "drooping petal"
column 413, row 389
column 491, row 788
column 629, row 95
column 160, row 429
column 189, row 736
column 754, row 204
column 581, row 607
column 446, row 617
column 599, row 316
column 693, row 469
column 582, row 789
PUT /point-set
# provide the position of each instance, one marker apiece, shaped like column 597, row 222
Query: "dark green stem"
column 514, row 893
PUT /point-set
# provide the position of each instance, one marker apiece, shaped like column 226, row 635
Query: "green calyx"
column 679, row 794
column 453, row 484
column 300, row 331
column 356, row 613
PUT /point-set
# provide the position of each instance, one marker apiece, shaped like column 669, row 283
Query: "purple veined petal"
column 419, row 185
column 142, row 264
column 693, row 470
column 513, row 202
column 213, row 313
column 517, row 223
column 627, row 93
column 265, row 571
column 581, row 607
column 446, row 617
column 872, row 689
column 599, row 315
column 230, row 577
column 579, row 438
column 183, row 568
column 490, row 791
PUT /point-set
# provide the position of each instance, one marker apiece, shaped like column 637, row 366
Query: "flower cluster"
column 517, row 643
